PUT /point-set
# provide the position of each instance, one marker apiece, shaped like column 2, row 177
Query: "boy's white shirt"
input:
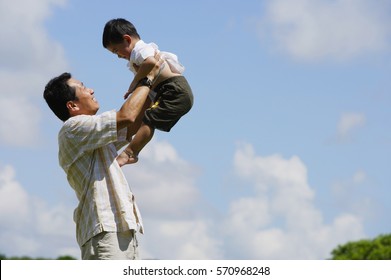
column 142, row 50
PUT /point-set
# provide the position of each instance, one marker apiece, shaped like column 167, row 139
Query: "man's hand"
column 155, row 72
column 152, row 75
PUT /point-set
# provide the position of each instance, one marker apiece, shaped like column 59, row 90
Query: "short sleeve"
column 142, row 51
column 84, row 134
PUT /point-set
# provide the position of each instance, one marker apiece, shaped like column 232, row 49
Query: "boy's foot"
column 126, row 158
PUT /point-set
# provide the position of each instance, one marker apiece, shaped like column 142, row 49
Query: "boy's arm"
column 145, row 68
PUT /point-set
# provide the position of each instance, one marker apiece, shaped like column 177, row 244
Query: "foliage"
column 378, row 248
column 65, row 258
column 4, row 257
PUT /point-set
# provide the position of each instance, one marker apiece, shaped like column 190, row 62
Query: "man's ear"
column 72, row 106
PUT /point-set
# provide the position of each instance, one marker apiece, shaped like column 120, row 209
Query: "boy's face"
column 123, row 49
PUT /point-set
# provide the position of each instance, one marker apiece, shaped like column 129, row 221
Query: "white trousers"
column 111, row 246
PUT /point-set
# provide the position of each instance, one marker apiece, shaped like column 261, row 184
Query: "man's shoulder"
column 81, row 118
column 87, row 120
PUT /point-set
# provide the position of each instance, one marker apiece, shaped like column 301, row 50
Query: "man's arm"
column 127, row 115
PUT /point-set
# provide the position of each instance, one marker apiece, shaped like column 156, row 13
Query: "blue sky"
column 285, row 154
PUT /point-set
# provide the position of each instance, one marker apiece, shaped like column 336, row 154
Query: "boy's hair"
column 57, row 93
column 115, row 29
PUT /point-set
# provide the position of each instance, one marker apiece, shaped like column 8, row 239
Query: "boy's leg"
column 127, row 156
column 142, row 137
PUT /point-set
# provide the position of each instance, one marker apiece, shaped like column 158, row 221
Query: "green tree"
column 65, row 258
column 378, row 248
column 4, row 257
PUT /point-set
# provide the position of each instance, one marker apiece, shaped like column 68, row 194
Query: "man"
column 107, row 217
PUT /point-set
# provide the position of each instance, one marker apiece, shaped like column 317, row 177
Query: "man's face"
column 86, row 104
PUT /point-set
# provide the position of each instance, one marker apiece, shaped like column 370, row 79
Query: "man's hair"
column 57, row 93
column 115, row 29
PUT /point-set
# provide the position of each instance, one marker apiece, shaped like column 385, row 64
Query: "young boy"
column 174, row 97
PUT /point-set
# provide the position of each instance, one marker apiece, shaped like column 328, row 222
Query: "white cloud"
column 290, row 226
column 29, row 226
column 359, row 176
column 243, row 209
column 168, row 182
column 342, row 189
column 20, row 121
column 312, row 30
column 348, row 123
column 279, row 221
column 28, row 59
column 14, row 204
column 171, row 206
column 190, row 238
column 350, row 195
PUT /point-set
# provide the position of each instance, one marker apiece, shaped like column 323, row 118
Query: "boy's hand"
column 131, row 88
column 127, row 94
column 136, row 67
column 155, row 72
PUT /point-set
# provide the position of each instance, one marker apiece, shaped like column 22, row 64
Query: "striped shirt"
column 88, row 148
